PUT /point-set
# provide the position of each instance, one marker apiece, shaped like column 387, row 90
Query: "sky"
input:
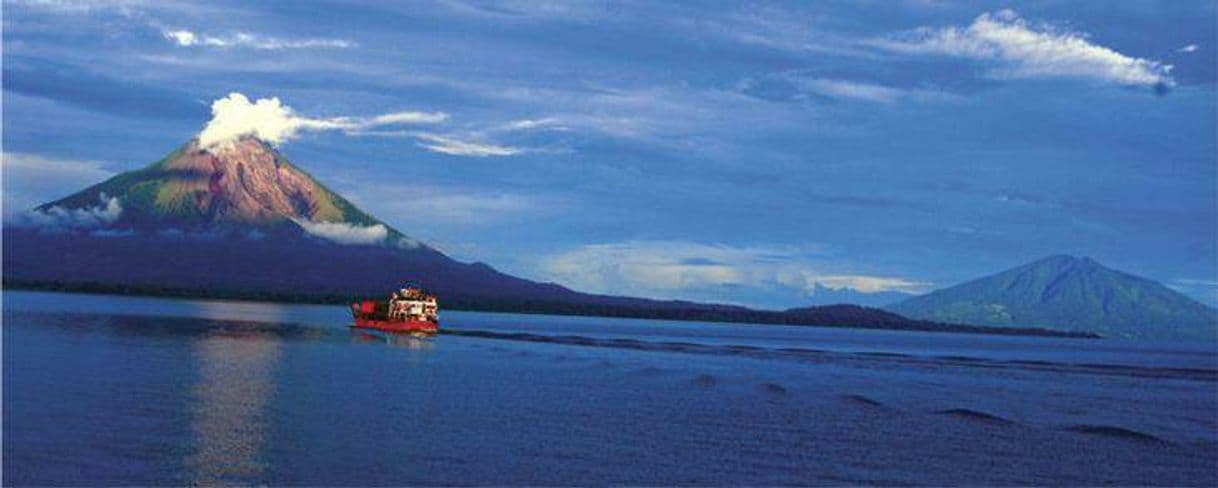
column 760, row 153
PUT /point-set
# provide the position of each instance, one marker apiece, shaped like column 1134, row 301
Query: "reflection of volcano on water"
column 236, row 383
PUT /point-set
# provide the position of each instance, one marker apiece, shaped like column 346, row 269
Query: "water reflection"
column 231, row 310
column 413, row 342
column 236, row 382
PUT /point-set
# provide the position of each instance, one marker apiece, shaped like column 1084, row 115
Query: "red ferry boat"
column 407, row 310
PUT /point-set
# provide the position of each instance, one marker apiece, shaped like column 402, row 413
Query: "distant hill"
column 1071, row 294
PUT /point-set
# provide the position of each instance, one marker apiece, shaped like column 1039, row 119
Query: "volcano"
column 244, row 184
column 237, row 219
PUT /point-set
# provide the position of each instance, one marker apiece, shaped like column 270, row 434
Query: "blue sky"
column 738, row 152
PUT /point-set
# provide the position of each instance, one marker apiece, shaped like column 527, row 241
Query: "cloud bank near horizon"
column 680, row 270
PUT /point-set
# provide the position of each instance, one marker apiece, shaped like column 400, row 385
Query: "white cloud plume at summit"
column 272, row 121
column 1026, row 50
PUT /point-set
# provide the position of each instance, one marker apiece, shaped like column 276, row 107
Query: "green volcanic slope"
column 246, row 184
column 1072, row 294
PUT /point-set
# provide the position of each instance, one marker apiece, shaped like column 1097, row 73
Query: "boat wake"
column 821, row 355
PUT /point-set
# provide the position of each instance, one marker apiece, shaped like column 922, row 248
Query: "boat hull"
column 413, row 326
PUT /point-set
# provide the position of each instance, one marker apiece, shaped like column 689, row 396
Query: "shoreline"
column 752, row 317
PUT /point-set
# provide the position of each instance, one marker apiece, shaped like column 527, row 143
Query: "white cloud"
column 409, row 118
column 344, row 233
column 77, row 6
column 57, row 218
column 469, row 143
column 565, row 10
column 112, row 232
column 456, row 147
column 270, row 120
column 548, row 123
column 670, row 269
column 408, row 243
column 267, row 119
column 1027, row 50
column 437, row 211
column 188, row 38
column 769, row 26
column 181, row 37
column 1188, row 49
column 856, row 90
column 867, row 284
column 32, row 179
column 464, row 207
column 807, row 278
column 646, row 267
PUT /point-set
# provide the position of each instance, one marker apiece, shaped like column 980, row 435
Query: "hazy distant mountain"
column 823, row 295
column 1073, row 294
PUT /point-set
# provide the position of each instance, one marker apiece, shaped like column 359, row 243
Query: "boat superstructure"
column 410, row 309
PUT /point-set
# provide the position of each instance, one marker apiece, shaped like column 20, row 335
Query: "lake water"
column 105, row 390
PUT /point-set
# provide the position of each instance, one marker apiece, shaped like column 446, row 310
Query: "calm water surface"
column 104, row 390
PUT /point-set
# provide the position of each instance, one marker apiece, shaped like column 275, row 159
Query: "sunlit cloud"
column 1024, row 49
column 866, row 284
column 188, row 38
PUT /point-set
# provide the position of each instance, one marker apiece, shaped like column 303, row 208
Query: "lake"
column 107, row 390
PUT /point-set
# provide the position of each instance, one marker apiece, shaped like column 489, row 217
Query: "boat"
column 409, row 310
